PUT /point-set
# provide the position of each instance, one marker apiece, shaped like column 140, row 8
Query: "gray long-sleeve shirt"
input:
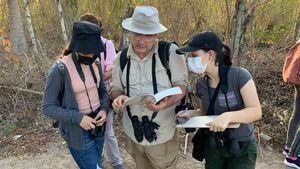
column 68, row 114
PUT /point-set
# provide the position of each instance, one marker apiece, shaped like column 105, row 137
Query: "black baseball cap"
column 205, row 40
column 86, row 38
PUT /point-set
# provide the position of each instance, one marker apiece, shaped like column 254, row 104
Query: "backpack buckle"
column 60, row 66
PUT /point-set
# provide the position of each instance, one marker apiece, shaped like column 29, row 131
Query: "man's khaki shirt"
column 140, row 81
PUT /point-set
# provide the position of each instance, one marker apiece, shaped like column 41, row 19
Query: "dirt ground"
column 56, row 156
column 35, row 144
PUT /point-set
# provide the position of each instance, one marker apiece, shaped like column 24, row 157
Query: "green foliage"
column 3, row 13
column 1, row 117
column 9, row 129
column 272, row 34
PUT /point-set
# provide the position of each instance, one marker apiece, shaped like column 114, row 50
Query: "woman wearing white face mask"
column 195, row 64
column 228, row 92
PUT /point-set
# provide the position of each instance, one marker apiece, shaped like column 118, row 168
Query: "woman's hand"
column 87, row 122
column 157, row 107
column 220, row 123
column 118, row 102
column 100, row 118
column 185, row 114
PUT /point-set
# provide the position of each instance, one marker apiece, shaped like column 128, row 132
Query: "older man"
column 150, row 128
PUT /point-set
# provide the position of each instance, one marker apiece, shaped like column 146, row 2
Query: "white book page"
column 141, row 98
column 172, row 91
column 201, row 121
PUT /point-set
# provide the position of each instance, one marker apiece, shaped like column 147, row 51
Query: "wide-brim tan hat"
column 145, row 21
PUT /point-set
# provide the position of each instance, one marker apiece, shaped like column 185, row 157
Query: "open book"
column 201, row 121
column 141, row 98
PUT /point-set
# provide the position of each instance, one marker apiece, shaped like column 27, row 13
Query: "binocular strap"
column 154, row 114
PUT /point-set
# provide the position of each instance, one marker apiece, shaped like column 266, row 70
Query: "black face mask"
column 86, row 60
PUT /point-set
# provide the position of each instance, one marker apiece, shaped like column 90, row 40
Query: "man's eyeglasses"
column 146, row 38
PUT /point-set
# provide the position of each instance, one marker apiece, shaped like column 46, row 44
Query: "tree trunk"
column 241, row 18
column 297, row 28
column 228, row 12
column 30, row 28
column 62, row 21
column 125, row 39
column 16, row 32
column 238, row 30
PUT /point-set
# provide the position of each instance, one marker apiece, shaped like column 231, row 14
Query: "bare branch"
column 20, row 89
column 261, row 3
column 254, row 5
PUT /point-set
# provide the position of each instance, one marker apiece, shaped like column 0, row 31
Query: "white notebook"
column 201, row 121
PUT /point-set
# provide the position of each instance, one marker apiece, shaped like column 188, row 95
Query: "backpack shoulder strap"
column 105, row 52
column 163, row 52
column 99, row 66
column 61, row 68
column 223, row 74
column 123, row 58
column 164, row 55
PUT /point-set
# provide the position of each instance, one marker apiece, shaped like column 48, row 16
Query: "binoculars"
column 98, row 131
column 144, row 128
column 215, row 140
column 137, row 128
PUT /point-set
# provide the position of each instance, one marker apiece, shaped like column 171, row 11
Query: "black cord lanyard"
column 211, row 107
column 153, row 81
column 82, row 77
column 223, row 84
